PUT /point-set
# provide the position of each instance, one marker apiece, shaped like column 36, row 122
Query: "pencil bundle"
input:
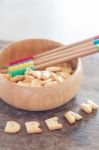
column 55, row 56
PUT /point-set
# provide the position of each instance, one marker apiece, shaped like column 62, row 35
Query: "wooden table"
column 84, row 135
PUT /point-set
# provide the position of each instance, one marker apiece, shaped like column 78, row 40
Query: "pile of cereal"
column 43, row 78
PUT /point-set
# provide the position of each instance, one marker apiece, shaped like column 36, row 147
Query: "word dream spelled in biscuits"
column 52, row 123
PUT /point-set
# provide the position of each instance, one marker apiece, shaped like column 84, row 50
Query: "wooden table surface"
column 83, row 135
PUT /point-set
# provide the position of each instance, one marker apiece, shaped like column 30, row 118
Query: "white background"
column 66, row 21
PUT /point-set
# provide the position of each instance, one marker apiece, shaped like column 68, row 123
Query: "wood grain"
column 83, row 135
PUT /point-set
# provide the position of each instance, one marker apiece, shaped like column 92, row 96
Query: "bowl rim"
column 26, row 40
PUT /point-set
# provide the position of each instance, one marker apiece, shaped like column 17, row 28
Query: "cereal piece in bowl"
column 46, row 75
column 54, row 68
column 36, row 83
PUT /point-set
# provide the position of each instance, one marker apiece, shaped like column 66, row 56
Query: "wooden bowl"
column 37, row 98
